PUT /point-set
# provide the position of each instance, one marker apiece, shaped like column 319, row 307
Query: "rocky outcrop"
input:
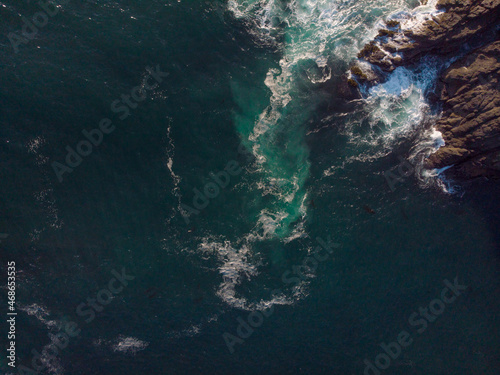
column 460, row 22
column 469, row 90
column 470, row 123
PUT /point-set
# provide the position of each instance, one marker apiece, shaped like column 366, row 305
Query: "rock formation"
column 470, row 123
column 460, row 22
column 468, row 90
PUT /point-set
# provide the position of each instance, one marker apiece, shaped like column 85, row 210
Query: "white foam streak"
column 236, row 267
column 129, row 345
column 170, row 152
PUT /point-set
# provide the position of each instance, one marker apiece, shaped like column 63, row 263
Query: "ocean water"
column 245, row 111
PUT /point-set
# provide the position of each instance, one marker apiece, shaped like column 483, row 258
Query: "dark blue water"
column 250, row 101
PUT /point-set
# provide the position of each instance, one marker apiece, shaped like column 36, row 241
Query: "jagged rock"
column 359, row 73
column 470, row 122
column 469, row 89
column 460, row 22
column 364, row 73
column 348, row 88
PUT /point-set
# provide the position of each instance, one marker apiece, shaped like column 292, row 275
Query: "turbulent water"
column 216, row 191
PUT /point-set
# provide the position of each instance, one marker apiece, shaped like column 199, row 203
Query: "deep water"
column 251, row 89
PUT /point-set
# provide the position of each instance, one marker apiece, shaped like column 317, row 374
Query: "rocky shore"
column 470, row 123
column 468, row 90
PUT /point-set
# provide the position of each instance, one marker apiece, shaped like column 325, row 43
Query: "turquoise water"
column 252, row 90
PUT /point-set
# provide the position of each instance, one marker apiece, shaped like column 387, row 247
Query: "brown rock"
column 470, row 122
column 469, row 89
column 461, row 22
column 348, row 88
